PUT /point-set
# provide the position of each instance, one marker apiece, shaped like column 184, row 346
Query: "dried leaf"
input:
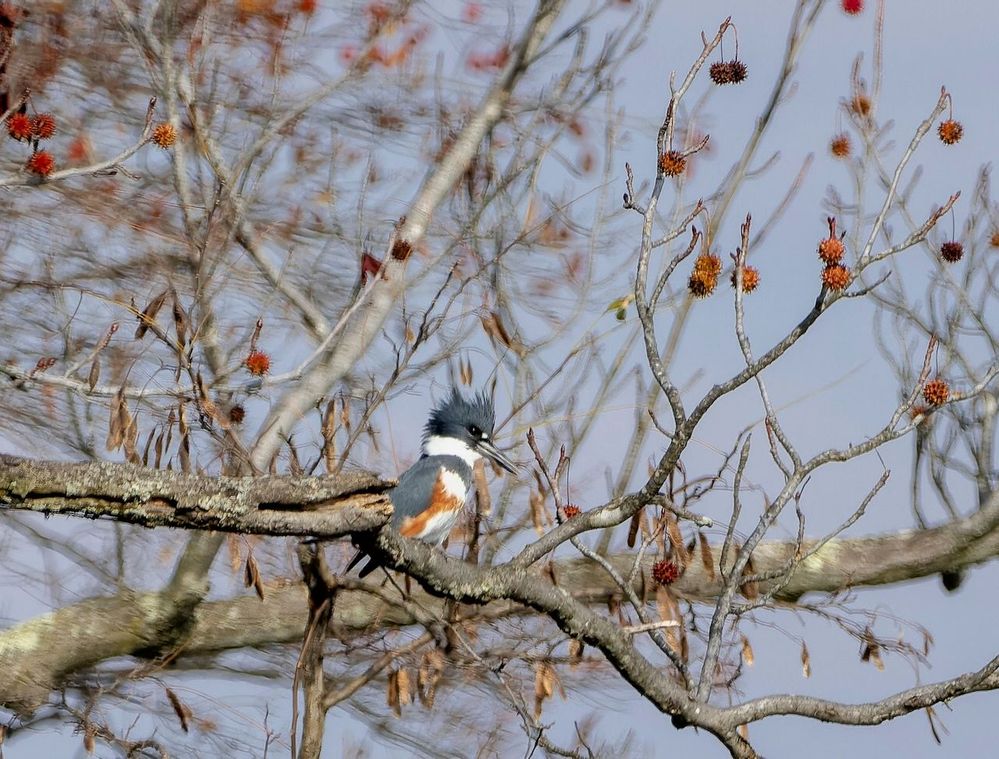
column 707, row 556
column 545, row 681
column 931, row 715
column 575, row 652
column 806, row 661
column 751, row 589
column 465, row 370
column 181, row 322
column 743, row 731
column 88, row 739
column 871, row 652
column 158, row 450
column 636, row 523
column 429, row 676
column 95, row 372
column 405, row 694
column 676, row 541
column 345, row 414
column 148, row 447
column 183, row 712
column 251, row 576
column 147, row 317
column 121, row 428
column 392, row 694
column 669, row 610
column 747, row 652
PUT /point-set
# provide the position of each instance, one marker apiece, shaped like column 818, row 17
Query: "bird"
column 431, row 494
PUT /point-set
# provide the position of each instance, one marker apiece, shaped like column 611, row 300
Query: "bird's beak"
column 492, row 452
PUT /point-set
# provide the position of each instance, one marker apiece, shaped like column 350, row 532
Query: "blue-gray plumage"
column 431, row 494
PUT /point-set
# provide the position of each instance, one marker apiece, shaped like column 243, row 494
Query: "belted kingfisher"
column 432, row 493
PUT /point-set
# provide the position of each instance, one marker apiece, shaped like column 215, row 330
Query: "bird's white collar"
column 437, row 445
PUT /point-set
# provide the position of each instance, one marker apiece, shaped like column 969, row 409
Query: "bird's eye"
column 475, row 431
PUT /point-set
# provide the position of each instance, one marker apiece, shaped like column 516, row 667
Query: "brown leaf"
column 345, row 414
column 669, row 610
column 465, row 368
column 95, row 372
column 751, row 589
column 181, row 321
column 392, row 694
column 538, row 515
column 88, row 739
column 575, row 652
column 743, row 731
column 158, row 450
column 121, row 427
column 147, row 447
column 676, row 541
column 148, row 316
column 806, row 661
column 251, row 576
column 636, row 523
column 545, row 681
column 747, row 652
column 707, row 556
column 402, row 680
column 550, row 571
column 429, row 676
column 182, row 711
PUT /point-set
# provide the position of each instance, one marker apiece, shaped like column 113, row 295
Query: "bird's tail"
column 367, row 569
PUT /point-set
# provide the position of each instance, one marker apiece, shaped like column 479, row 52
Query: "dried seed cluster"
column 672, row 163
column 164, row 135
column 835, row 276
column 728, row 72
column 936, row 392
column 665, row 572
column 950, row 131
column 951, row 251
column 258, row 363
column 572, row 510
column 839, row 146
column 750, row 278
column 704, row 279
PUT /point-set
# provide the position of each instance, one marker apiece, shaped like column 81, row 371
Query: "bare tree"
column 240, row 235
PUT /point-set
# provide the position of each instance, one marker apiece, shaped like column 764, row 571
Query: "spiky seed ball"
column 720, row 72
column 861, row 104
column 702, row 284
column 738, row 71
column 665, row 572
column 839, row 146
column 708, row 263
column 951, row 251
column 936, row 392
column 572, row 510
column 950, row 131
column 750, row 278
column 43, row 126
column 237, row 414
column 835, row 276
column 41, row 163
column 994, row 239
column 164, row 135
column 672, row 163
column 258, row 363
column 852, row 7
column 19, row 126
column 831, row 250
